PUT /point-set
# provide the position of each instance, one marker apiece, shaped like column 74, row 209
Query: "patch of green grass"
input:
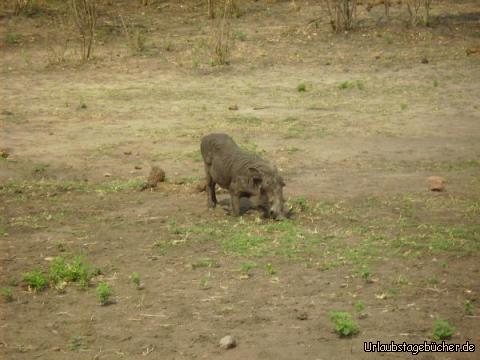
column 253, row 148
column 431, row 280
column 302, row 87
column 468, row 307
column 301, row 204
column 74, row 270
column 352, row 84
column 204, row 280
column 116, row 186
column 75, row 343
column 35, row 279
column 248, row 120
column 366, row 275
column 205, row 263
column 359, row 306
column 442, row 330
column 247, row 267
column 135, row 277
column 12, row 38
column 402, row 280
column 104, row 291
column 403, row 106
column 388, row 39
column 7, row 294
column 435, row 83
column 269, row 269
column 168, row 46
column 194, row 155
column 344, row 325
column 240, row 35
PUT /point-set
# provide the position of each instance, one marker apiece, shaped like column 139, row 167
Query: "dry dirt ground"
column 385, row 107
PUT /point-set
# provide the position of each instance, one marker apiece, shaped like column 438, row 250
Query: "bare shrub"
column 223, row 36
column 211, row 9
column 134, row 36
column 85, row 15
column 342, row 14
column 57, row 41
column 414, row 11
column 22, row 6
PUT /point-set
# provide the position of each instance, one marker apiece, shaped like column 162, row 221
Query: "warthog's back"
column 217, row 145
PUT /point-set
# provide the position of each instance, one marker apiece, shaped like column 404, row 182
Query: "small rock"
column 436, row 183
column 156, row 175
column 138, row 167
column 228, row 342
column 302, row 316
column 107, row 174
column 127, row 153
column 233, row 107
column 4, row 153
column 362, row 315
column 425, row 60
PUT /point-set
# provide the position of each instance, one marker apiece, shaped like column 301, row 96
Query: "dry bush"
column 223, row 36
column 57, row 41
column 84, row 13
column 210, row 9
column 135, row 37
column 385, row 3
column 342, row 14
column 414, row 11
column 22, row 6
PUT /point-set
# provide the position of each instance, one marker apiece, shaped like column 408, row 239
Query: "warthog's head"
column 267, row 191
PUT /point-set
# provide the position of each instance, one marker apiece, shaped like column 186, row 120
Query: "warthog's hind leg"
column 211, row 196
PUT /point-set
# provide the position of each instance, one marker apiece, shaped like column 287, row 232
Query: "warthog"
column 243, row 174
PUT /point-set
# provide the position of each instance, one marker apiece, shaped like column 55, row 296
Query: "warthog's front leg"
column 235, row 201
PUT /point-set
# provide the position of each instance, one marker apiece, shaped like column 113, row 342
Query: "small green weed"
column 442, row 330
column 240, row 35
column 11, row 38
column 403, row 106
column 104, row 291
column 359, row 306
column 366, row 275
column 435, row 83
column 388, row 39
column 468, row 307
column 75, row 343
column 432, row 280
column 135, row 278
column 7, row 294
column 302, row 87
column 344, row 325
column 270, row 270
column 245, row 268
column 402, row 280
column 352, row 84
column 204, row 280
column 205, row 263
column 36, row 280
